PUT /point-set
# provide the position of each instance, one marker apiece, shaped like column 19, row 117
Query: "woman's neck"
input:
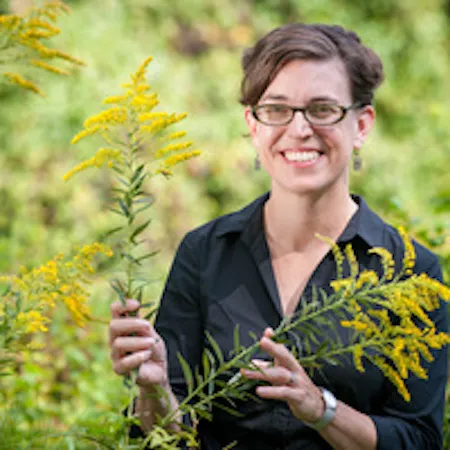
column 291, row 221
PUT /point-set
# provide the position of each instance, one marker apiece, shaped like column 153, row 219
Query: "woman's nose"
column 299, row 126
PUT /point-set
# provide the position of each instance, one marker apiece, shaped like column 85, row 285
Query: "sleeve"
column 179, row 320
column 417, row 425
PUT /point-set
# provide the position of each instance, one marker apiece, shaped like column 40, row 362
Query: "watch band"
column 328, row 414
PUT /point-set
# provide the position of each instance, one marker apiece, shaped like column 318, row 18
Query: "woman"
column 308, row 93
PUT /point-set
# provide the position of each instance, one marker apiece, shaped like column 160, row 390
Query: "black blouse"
column 222, row 276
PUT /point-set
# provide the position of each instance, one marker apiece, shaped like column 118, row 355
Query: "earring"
column 357, row 160
column 257, row 163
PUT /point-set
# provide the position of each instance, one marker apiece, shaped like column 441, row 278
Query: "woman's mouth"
column 304, row 156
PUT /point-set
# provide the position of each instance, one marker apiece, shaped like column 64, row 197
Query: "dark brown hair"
column 262, row 62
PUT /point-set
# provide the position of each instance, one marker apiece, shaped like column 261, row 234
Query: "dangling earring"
column 257, row 163
column 357, row 160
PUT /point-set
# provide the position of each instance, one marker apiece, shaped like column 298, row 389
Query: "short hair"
column 272, row 52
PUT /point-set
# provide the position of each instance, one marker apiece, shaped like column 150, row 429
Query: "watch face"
column 330, row 399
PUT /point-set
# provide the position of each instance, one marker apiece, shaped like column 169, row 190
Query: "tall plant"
column 138, row 147
column 24, row 45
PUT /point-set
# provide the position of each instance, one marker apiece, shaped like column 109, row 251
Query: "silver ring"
column 292, row 379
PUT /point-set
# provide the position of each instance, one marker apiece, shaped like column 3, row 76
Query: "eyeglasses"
column 316, row 113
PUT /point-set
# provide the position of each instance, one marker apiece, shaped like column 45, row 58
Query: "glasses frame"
column 295, row 109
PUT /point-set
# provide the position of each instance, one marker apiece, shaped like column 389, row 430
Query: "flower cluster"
column 24, row 39
column 130, row 126
column 391, row 316
column 32, row 294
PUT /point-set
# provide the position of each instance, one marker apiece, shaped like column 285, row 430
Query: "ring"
column 292, row 379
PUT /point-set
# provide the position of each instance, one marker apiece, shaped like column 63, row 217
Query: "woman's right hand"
column 134, row 343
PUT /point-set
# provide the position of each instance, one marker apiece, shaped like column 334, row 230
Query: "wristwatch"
column 328, row 414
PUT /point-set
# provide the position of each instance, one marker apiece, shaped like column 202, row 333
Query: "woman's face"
column 299, row 157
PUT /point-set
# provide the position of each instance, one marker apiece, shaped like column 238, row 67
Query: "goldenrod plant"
column 24, row 45
column 362, row 302
column 29, row 297
column 138, row 147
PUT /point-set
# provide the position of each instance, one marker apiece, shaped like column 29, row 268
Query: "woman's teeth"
column 301, row 156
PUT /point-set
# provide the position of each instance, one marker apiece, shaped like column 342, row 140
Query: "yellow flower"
column 409, row 258
column 367, row 277
column 176, row 159
column 172, row 148
column 112, row 116
column 31, row 322
column 358, row 353
column 103, row 156
column 48, row 67
column 352, row 261
column 17, row 79
column 343, row 285
column 393, row 376
column 387, row 261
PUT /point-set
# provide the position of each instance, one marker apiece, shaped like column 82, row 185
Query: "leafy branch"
column 361, row 302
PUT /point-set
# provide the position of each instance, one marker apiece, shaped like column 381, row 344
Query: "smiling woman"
column 307, row 92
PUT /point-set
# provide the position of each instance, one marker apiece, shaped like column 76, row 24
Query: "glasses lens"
column 274, row 114
column 323, row 113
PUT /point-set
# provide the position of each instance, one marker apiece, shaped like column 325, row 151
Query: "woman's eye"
column 276, row 109
column 322, row 110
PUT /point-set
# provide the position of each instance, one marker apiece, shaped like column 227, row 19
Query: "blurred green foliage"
column 196, row 47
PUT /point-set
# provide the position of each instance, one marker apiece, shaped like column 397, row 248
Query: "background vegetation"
column 196, row 46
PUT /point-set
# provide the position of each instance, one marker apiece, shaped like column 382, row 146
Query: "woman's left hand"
column 288, row 380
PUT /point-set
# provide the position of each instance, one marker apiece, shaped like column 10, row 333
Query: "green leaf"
column 139, row 229
column 111, row 232
column 148, row 255
column 217, row 351
column 143, row 208
column 114, row 210
column 187, row 373
column 136, row 173
column 227, row 409
column 124, row 208
column 236, row 339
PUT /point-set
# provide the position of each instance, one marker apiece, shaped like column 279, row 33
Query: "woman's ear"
column 365, row 121
column 252, row 125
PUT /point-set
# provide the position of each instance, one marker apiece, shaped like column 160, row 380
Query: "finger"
column 130, row 362
column 274, row 375
column 285, row 393
column 261, row 363
column 268, row 332
column 129, row 326
column 118, row 309
column 279, row 352
column 123, row 345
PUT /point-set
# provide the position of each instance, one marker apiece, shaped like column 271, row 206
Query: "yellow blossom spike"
column 15, row 78
column 352, row 261
column 409, row 258
column 176, row 159
column 173, row 136
column 111, row 116
column 140, row 73
column 387, row 261
column 337, row 253
column 102, row 157
column 87, row 132
column 171, row 148
column 48, row 67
